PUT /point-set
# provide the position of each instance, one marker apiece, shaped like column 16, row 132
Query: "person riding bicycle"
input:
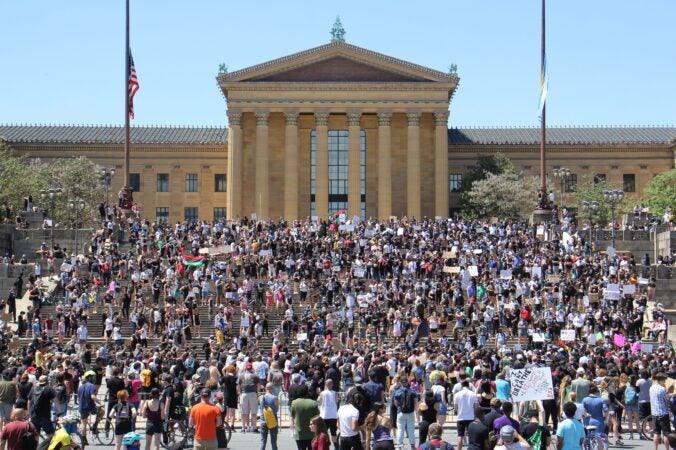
column 87, row 401
column 62, row 441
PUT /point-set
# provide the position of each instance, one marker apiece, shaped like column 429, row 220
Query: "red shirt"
column 204, row 416
column 13, row 434
column 321, row 442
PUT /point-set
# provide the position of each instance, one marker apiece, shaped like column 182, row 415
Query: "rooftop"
column 111, row 134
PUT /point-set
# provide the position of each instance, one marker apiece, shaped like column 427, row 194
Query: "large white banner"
column 567, row 335
column 534, row 383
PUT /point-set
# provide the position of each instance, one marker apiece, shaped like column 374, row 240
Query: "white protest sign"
column 611, row 295
column 301, row 337
column 540, row 231
column 506, row 274
column 451, row 269
column 473, row 270
column 643, row 280
column 534, row 383
column 265, row 252
column 400, row 231
column 646, row 348
column 585, row 299
column 254, row 216
column 65, row 267
column 349, row 228
column 536, row 271
column 356, row 220
column 342, row 227
column 629, row 289
column 567, row 335
column 478, row 251
column 358, row 272
column 369, row 233
column 538, row 337
column 613, row 287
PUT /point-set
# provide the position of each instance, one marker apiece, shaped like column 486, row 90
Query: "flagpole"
column 542, row 211
column 127, row 195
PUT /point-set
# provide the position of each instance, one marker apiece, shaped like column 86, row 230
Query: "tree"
column 506, row 196
column 661, row 192
column 591, row 190
column 18, row 179
column 496, row 164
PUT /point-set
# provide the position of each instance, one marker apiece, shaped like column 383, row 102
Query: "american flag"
column 133, row 85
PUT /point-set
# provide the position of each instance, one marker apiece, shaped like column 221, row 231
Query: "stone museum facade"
column 337, row 127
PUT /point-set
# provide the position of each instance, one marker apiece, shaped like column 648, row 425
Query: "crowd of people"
column 383, row 327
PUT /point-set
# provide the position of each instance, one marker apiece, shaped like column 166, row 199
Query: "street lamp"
column 50, row 195
column 563, row 175
column 613, row 197
column 592, row 208
column 107, row 179
column 77, row 205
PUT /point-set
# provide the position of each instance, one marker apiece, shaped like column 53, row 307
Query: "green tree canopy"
column 493, row 164
column 589, row 190
column 661, row 192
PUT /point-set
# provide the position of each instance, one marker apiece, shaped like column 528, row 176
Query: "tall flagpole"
column 126, row 191
column 542, row 212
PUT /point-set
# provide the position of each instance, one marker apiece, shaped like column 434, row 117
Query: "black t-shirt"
column 477, row 435
column 114, row 384
column 529, row 430
column 42, row 401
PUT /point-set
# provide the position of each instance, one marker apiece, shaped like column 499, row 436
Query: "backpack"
column 535, row 440
column 630, row 397
column 36, row 397
column 492, row 440
column 429, row 446
column 122, row 413
column 270, row 418
column 146, row 377
column 29, row 439
column 407, row 401
column 61, row 394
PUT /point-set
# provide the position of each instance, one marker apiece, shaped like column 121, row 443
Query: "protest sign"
column 629, row 289
column 400, row 231
column 538, row 337
column 369, row 233
column 301, row 337
column 643, row 280
column 536, row 272
column 614, row 287
column 453, row 269
column 349, row 228
column 533, row 383
column 359, row 272
column 568, row 335
column 646, row 348
column 265, row 253
column 619, row 340
column 448, row 255
column 473, row 270
column 506, row 274
column 65, row 267
column 611, row 295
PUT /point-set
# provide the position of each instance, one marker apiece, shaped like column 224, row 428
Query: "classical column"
column 353, row 164
column 384, row 166
column 441, row 182
column 291, row 166
column 413, row 206
column 234, row 174
column 261, row 191
column 322, row 165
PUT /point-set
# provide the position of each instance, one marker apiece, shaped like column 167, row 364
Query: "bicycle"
column 93, row 429
column 647, row 426
column 69, row 424
column 177, row 435
column 593, row 440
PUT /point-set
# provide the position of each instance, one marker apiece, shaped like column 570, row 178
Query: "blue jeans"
column 406, row 423
column 264, row 436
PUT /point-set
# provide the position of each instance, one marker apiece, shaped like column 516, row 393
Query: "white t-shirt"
column 328, row 407
column 464, row 402
column 347, row 414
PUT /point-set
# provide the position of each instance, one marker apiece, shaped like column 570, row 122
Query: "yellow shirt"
column 60, row 437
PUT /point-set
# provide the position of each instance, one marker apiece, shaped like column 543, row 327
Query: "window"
column 191, row 214
column 161, row 215
column 162, row 182
column 455, row 182
column 219, row 182
column 629, row 182
column 571, row 182
column 219, row 213
column 191, row 182
column 599, row 178
column 338, row 170
column 135, row 182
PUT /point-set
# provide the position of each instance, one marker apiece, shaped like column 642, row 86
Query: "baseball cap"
column 580, row 370
column 43, row 379
column 248, row 366
column 206, row 392
column 89, row 373
column 507, row 434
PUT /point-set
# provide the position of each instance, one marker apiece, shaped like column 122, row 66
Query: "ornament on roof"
column 223, row 68
column 337, row 32
column 453, row 69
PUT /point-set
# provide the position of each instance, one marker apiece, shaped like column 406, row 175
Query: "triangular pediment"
column 337, row 62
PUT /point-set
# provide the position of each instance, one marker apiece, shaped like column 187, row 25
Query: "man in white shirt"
column 464, row 402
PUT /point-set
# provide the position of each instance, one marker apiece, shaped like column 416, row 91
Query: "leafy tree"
column 506, row 196
column 590, row 190
column 18, row 179
column 661, row 192
column 496, row 164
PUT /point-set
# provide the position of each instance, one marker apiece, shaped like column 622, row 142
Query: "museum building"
column 338, row 127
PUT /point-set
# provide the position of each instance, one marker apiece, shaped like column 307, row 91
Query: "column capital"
column 291, row 117
column 354, row 118
column 321, row 118
column 262, row 118
column 384, row 118
column 234, row 118
column 413, row 119
column 441, row 118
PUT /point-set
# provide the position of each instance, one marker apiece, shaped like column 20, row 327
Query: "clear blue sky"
column 611, row 62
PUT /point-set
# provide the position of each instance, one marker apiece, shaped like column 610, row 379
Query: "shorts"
column 662, row 425
column 248, row 402
column 203, row 444
column 154, row 428
column 5, row 411
column 462, row 427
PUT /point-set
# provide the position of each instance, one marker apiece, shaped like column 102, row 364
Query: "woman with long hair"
column 153, row 412
column 321, row 441
column 378, row 429
column 428, row 409
column 631, row 405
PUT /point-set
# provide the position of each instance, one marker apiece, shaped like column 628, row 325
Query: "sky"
column 610, row 62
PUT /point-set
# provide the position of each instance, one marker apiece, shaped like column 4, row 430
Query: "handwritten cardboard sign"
column 534, row 383
column 567, row 335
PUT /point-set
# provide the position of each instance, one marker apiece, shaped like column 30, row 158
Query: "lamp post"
column 563, row 175
column 77, row 205
column 613, row 197
column 50, row 195
column 592, row 208
column 107, row 179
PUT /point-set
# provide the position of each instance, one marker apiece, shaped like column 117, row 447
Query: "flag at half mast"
column 133, row 85
column 544, row 88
